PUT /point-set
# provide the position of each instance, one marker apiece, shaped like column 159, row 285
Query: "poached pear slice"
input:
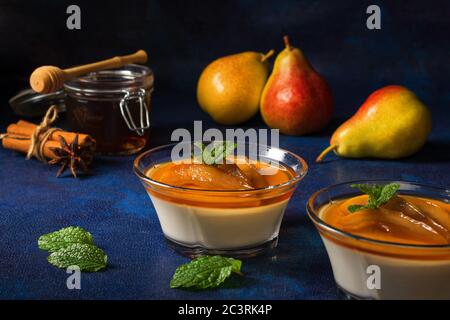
column 425, row 214
column 232, row 169
column 398, row 217
column 396, row 223
column 202, row 176
column 256, row 179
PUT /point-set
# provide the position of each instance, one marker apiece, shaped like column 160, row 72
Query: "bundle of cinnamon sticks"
column 18, row 138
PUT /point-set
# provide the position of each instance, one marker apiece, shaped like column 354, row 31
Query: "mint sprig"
column 378, row 195
column 215, row 152
column 62, row 238
column 205, row 272
column 73, row 246
column 86, row 256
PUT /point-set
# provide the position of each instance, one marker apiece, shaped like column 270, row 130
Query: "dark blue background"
column 181, row 37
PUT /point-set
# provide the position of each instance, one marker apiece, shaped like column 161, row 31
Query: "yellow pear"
column 392, row 123
column 229, row 89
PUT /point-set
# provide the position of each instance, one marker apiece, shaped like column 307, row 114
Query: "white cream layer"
column 399, row 278
column 215, row 228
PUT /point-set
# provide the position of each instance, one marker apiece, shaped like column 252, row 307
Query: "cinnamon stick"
column 23, row 146
column 25, row 128
column 19, row 134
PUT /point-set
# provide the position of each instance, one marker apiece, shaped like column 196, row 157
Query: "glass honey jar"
column 113, row 107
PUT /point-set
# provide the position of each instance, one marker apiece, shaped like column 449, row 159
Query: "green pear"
column 392, row 123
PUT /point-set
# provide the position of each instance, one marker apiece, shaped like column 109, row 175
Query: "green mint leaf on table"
column 62, row 238
column 86, row 256
column 378, row 195
column 73, row 246
column 205, row 272
column 216, row 151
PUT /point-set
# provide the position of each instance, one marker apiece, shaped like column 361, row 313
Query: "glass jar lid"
column 131, row 77
column 28, row 103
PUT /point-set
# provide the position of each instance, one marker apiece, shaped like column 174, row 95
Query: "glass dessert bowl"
column 230, row 209
column 400, row 250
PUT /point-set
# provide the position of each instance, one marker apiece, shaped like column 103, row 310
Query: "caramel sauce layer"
column 207, row 183
column 404, row 219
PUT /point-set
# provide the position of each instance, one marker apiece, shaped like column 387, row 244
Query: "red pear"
column 296, row 99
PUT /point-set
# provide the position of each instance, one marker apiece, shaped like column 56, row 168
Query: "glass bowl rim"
column 317, row 220
column 292, row 181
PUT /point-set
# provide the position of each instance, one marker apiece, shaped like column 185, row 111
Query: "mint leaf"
column 222, row 150
column 62, row 238
column 387, row 193
column 86, row 256
column 215, row 152
column 355, row 207
column 198, row 154
column 372, row 190
column 378, row 195
column 205, row 272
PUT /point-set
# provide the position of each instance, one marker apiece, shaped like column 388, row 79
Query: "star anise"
column 72, row 156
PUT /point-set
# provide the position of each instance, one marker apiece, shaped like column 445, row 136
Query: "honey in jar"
column 113, row 107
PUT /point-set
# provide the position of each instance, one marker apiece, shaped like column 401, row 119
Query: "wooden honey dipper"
column 48, row 79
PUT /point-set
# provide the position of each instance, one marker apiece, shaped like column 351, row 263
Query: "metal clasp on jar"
column 144, row 114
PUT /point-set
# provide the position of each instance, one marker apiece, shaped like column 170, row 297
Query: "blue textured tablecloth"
column 181, row 37
column 113, row 205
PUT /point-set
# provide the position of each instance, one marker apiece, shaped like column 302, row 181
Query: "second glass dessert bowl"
column 210, row 215
column 399, row 251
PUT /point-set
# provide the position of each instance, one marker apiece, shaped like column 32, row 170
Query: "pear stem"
column 267, row 55
column 286, row 42
column 239, row 273
column 325, row 152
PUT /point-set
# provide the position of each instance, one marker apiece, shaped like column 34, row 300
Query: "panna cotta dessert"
column 387, row 241
column 235, row 207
